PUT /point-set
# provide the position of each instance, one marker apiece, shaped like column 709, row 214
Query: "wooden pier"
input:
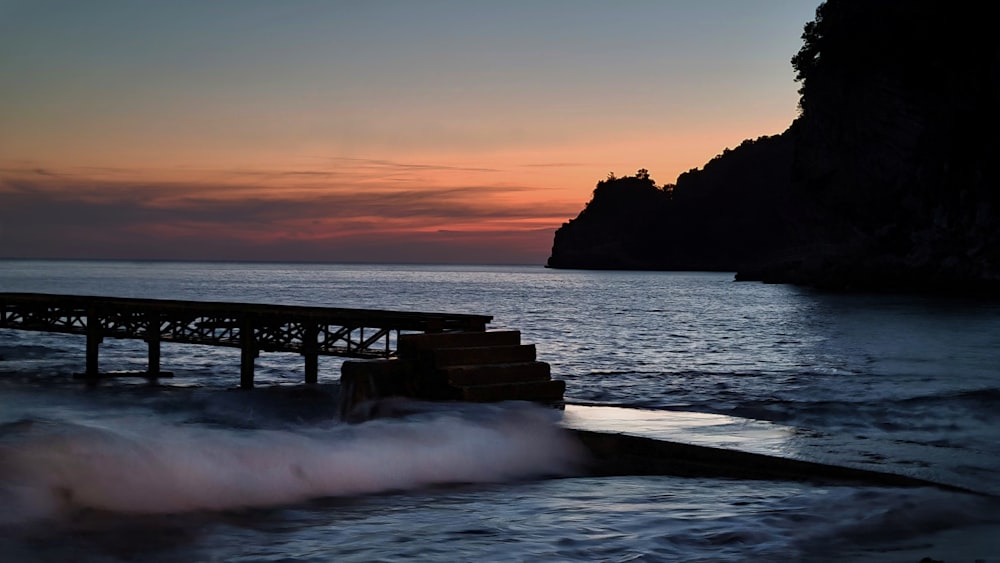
column 429, row 356
column 253, row 328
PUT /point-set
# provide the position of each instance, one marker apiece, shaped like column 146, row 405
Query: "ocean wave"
column 51, row 468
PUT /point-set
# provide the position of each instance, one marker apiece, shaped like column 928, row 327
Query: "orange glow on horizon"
column 507, row 204
column 466, row 130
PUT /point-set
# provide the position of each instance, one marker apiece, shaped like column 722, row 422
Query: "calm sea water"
column 193, row 470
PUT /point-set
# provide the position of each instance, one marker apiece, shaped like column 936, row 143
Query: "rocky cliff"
column 728, row 215
column 886, row 180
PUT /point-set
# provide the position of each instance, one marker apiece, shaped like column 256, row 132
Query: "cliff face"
column 722, row 217
column 895, row 143
column 611, row 231
column 886, row 181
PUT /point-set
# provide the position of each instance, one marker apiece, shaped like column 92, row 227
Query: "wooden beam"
column 248, row 353
column 153, row 343
column 310, row 353
column 94, row 338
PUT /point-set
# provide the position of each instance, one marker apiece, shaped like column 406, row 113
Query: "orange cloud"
column 501, row 206
column 353, row 209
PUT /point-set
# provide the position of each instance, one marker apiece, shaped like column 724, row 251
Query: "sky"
column 441, row 131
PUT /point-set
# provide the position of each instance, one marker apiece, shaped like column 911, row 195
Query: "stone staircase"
column 454, row 366
column 482, row 366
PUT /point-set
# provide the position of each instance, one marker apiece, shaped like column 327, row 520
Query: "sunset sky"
column 377, row 131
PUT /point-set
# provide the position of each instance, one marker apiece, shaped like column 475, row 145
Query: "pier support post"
column 310, row 354
column 312, row 368
column 153, row 342
column 94, row 338
column 248, row 353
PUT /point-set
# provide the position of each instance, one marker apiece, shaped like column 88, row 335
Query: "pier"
column 451, row 357
column 253, row 328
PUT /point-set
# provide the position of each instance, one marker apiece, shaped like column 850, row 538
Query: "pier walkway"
column 253, row 328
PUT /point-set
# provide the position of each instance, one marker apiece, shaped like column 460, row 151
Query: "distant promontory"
column 887, row 180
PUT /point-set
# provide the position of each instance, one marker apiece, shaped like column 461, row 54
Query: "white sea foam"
column 143, row 466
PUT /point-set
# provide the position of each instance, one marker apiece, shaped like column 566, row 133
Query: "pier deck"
column 251, row 327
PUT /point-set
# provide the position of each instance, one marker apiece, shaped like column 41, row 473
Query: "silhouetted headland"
column 885, row 181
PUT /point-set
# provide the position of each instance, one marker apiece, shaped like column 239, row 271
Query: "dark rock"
column 885, row 182
column 720, row 218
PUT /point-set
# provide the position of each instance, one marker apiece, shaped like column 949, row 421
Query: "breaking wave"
column 50, row 468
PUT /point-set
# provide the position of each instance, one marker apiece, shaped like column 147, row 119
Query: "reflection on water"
column 688, row 427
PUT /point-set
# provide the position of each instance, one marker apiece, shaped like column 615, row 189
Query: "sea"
column 191, row 468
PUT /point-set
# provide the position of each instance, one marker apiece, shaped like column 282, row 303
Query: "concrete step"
column 481, row 366
column 369, row 380
column 544, row 391
column 480, row 355
column 411, row 344
column 497, row 373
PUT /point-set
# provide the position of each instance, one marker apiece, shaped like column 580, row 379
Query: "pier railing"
column 253, row 328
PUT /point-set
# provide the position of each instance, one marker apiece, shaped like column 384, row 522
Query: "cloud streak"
column 338, row 214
